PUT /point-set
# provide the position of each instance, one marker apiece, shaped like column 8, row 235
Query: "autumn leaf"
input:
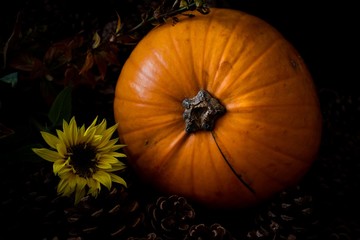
column 119, row 24
column 58, row 52
column 76, row 42
column 96, row 40
column 89, row 62
column 101, row 64
column 26, row 62
column 31, row 66
column 73, row 78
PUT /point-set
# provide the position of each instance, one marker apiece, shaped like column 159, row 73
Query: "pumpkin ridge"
column 238, row 176
column 171, row 78
column 274, row 106
column 229, row 40
column 158, row 125
column 262, row 170
column 256, row 60
column 244, row 112
column 264, row 86
column 209, row 41
column 136, row 65
column 205, row 46
column 274, row 150
column 228, row 89
column 223, row 59
column 148, row 77
column 172, row 151
column 180, row 57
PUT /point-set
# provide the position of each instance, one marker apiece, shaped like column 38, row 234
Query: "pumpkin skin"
column 269, row 135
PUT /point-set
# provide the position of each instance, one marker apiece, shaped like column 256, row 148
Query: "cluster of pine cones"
column 323, row 206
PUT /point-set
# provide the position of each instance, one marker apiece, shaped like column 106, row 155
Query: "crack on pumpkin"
column 238, row 176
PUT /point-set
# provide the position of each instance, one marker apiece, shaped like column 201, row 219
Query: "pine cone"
column 150, row 236
column 171, row 217
column 288, row 216
column 112, row 214
column 213, row 232
column 339, row 229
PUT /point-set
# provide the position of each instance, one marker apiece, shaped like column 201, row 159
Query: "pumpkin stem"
column 201, row 112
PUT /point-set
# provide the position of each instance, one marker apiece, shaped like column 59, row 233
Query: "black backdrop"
column 325, row 34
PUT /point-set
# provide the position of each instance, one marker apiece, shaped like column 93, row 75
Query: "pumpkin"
column 218, row 108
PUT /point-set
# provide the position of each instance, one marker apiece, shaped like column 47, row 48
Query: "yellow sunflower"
column 83, row 158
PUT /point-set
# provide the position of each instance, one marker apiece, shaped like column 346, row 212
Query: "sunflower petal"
column 50, row 139
column 101, row 127
column 61, row 186
column 117, row 167
column 117, row 154
column 94, row 187
column 59, row 167
column 108, row 158
column 104, row 178
column 107, row 145
column 79, row 194
column 80, row 183
column 73, row 132
column 63, row 138
column 89, row 134
column 104, row 165
column 115, row 148
column 47, row 154
column 66, row 187
column 94, row 122
column 117, row 179
column 61, row 149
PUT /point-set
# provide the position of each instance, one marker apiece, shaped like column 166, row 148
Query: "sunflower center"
column 83, row 159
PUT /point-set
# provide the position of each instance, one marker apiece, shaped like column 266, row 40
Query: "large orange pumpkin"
column 218, row 108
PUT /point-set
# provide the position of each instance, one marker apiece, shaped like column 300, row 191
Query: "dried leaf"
column 184, row 4
column 13, row 37
column 31, row 66
column 118, row 25
column 101, row 64
column 26, row 62
column 5, row 131
column 11, row 78
column 111, row 55
column 58, row 52
column 71, row 76
column 76, row 42
column 201, row 6
column 128, row 39
column 89, row 62
column 96, row 40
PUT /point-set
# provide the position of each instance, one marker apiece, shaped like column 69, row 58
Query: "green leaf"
column 11, row 78
column 61, row 107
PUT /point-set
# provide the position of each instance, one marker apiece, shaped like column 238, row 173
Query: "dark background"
column 325, row 34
